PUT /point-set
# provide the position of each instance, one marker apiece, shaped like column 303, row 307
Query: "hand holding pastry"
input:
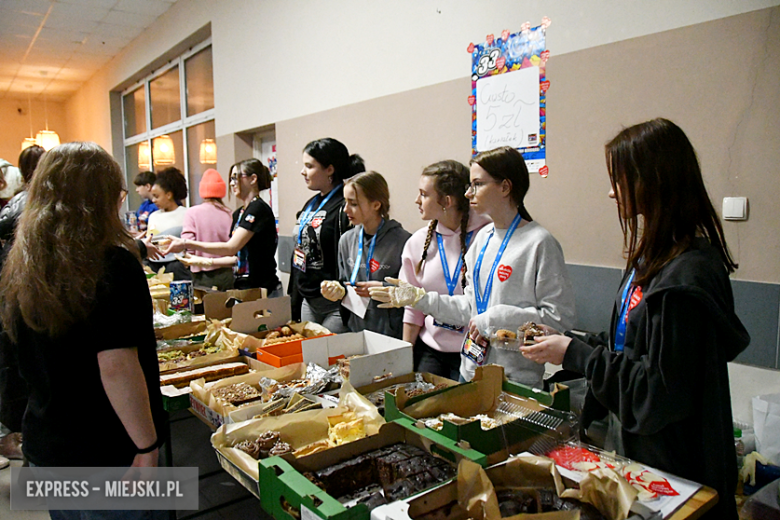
column 198, row 261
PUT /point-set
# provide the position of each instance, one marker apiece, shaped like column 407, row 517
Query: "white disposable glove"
column 198, row 261
column 400, row 294
column 332, row 291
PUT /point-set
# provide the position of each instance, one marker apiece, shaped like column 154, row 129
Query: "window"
column 168, row 120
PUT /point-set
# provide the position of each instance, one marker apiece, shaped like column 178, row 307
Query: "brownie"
column 513, row 502
column 348, row 476
column 399, row 490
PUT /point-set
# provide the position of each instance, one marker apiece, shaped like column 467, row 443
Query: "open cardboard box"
column 298, row 430
column 404, row 379
column 219, row 305
column 179, row 398
column 483, row 395
column 216, row 413
column 378, row 355
column 282, row 481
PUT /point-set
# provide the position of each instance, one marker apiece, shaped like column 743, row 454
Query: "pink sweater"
column 207, row 222
column 431, row 278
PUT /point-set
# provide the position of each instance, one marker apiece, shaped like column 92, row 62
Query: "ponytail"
column 431, row 226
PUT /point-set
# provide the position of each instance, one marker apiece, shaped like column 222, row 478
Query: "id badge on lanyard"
column 474, row 351
column 299, row 259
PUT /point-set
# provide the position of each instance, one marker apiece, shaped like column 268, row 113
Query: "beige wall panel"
column 718, row 80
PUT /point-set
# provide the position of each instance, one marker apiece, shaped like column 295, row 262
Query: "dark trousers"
column 13, row 389
column 444, row 364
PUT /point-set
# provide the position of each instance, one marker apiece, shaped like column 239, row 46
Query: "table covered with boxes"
column 339, row 427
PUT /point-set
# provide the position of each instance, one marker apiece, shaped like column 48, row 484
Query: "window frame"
column 182, row 124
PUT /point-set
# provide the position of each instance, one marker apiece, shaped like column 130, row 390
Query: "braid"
column 431, row 227
column 464, row 225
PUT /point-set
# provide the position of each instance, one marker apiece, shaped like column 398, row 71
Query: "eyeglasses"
column 476, row 185
column 234, row 177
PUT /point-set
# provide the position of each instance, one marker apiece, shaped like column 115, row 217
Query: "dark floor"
column 221, row 496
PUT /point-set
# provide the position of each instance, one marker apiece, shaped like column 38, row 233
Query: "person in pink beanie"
column 210, row 222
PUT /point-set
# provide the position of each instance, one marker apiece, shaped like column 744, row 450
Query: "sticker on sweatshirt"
column 375, row 265
column 448, row 327
column 473, row 351
column 504, row 272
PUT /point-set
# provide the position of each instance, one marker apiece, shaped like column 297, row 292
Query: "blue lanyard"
column 620, row 329
column 307, row 214
column 452, row 281
column 355, row 269
column 482, row 299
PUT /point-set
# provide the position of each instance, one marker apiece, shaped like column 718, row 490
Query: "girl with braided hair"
column 516, row 272
column 450, row 231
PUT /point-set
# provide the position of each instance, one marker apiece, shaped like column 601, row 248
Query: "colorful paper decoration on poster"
column 508, row 96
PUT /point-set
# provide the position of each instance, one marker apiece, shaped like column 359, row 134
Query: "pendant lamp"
column 144, row 155
column 29, row 141
column 208, row 152
column 162, row 151
column 48, row 139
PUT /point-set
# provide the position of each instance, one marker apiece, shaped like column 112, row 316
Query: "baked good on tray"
column 238, row 394
column 209, row 373
column 529, row 330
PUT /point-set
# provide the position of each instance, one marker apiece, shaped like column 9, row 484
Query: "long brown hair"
column 655, row 173
column 71, row 218
column 450, row 178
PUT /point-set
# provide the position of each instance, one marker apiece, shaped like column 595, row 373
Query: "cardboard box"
column 175, row 399
column 205, row 406
column 379, row 355
column 261, row 315
column 288, row 352
column 281, row 479
column 218, row 305
column 482, row 396
column 400, row 380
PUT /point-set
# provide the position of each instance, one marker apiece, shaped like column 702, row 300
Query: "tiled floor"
column 221, row 497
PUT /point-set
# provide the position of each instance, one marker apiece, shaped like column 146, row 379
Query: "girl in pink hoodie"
column 433, row 259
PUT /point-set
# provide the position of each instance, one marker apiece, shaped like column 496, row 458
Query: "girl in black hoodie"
column 673, row 317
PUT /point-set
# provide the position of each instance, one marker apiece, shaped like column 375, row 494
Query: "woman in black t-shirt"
column 251, row 249
column 326, row 164
column 81, row 320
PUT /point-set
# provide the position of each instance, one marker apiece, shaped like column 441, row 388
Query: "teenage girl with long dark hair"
column 321, row 223
column 673, row 315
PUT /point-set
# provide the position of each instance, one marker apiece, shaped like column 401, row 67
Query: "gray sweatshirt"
column 387, row 262
column 531, row 283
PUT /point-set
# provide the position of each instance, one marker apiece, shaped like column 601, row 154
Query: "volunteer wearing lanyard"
column 673, row 316
column 251, row 249
column 367, row 254
column 326, row 164
column 515, row 272
column 434, row 260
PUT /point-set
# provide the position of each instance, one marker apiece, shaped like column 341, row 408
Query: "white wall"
column 275, row 60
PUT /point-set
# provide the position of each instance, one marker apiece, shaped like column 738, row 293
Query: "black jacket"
column 10, row 214
column 670, row 387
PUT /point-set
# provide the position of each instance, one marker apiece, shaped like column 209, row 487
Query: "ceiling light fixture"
column 29, row 141
column 208, row 151
column 162, row 151
column 48, row 139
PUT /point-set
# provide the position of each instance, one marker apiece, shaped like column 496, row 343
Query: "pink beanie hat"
column 211, row 185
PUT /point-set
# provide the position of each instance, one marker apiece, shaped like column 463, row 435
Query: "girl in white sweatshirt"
column 515, row 272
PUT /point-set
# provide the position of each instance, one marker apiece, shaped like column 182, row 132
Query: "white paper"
column 354, row 303
column 508, row 110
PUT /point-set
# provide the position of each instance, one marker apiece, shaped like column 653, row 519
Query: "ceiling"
column 51, row 47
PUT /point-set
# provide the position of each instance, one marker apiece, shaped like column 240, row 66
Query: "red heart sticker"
column 545, row 86
column 505, row 34
column 543, row 171
column 504, row 272
column 470, row 48
column 490, row 39
column 472, row 100
column 545, row 55
column 375, row 266
column 500, row 62
column 315, row 223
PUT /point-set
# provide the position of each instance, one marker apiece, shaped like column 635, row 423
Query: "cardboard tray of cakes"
column 239, row 446
column 494, row 416
column 348, row 481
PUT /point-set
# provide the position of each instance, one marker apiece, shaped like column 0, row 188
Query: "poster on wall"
column 508, row 98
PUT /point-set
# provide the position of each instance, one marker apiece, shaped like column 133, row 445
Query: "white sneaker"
column 4, row 462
